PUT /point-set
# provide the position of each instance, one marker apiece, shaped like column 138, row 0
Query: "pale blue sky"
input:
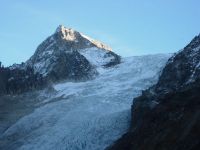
column 130, row 27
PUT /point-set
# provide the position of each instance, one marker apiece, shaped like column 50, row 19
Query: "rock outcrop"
column 16, row 81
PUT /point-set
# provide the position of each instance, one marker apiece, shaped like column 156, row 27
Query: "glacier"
column 88, row 115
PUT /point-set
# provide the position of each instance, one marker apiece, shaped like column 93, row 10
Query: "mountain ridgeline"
column 165, row 112
column 65, row 55
column 167, row 115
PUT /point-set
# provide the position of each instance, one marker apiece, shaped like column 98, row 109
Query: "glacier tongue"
column 87, row 115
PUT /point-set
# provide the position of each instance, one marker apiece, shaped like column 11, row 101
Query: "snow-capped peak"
column 70, row 34
column 62, row 28
column 67, row 42
column 67, row 33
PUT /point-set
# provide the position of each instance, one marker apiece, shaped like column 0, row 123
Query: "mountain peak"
column 70, row 34
column 57, row 51
column 67, row 33
column 62, row 28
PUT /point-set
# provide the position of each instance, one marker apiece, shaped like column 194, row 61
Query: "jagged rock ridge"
column 183, row 69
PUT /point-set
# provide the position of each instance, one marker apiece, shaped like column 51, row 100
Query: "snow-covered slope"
column 86, row 115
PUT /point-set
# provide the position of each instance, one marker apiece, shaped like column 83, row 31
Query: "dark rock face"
column 182, row 69
column 72, row 66
column 116, row 60
column 15, row 81
column 171, row 125
column 167, row 116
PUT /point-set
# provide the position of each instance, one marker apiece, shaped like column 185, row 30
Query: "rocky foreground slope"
column 167, row 115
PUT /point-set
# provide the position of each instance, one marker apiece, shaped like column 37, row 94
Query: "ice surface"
column 87, row 115
column 96, row 56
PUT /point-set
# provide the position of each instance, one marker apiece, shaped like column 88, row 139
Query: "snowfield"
column 86, row 115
